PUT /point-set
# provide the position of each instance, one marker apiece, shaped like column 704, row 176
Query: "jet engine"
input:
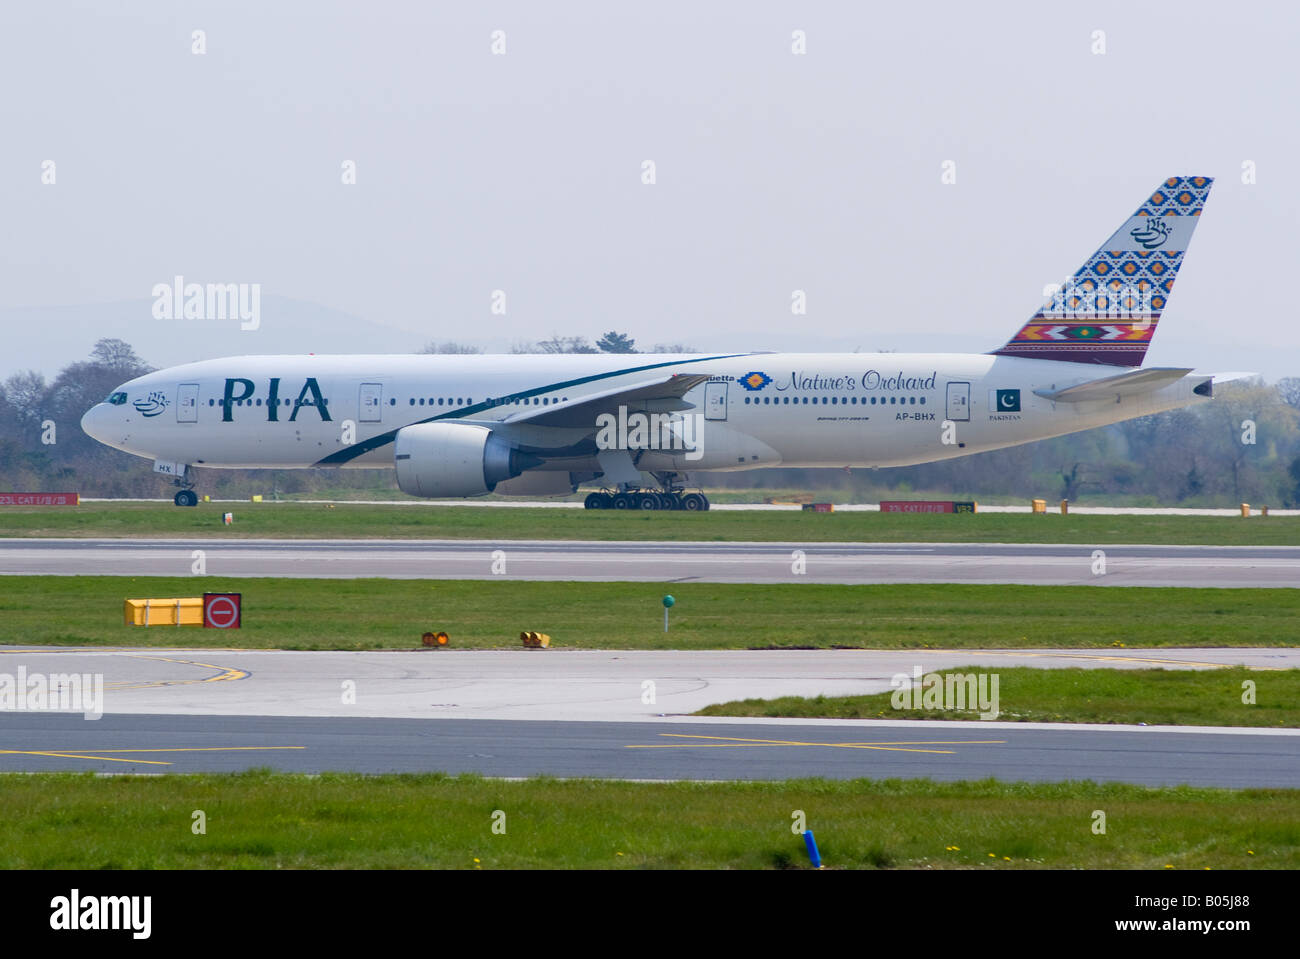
column 455, row 459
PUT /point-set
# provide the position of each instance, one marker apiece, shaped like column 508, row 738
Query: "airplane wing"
column 1123, row 384
column 662, row 394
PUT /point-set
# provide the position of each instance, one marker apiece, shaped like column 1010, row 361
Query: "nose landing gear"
column 185, row 496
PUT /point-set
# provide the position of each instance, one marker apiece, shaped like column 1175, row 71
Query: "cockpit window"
column 117, row 399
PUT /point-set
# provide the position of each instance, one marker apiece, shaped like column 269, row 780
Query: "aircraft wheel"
column 668, row 501
column 648, row 501
column 694, row 502
column 622, row 501
column 186, row 497
column 595, row 501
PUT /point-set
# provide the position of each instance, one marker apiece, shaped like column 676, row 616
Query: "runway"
column 649, row 751
column 618, row 714
column 845, row 563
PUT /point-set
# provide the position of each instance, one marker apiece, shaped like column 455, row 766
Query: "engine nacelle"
column 454, row 459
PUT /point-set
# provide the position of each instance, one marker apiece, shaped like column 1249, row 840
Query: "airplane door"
column 187, row 403
column 959, row 402
column 715, row 401
column 372, row 402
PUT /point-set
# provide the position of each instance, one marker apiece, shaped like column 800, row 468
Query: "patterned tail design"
column 1107, row 312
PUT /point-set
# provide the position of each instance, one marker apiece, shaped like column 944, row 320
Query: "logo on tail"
column 1152, row 234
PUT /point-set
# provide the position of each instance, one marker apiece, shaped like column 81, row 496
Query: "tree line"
column 611, row 342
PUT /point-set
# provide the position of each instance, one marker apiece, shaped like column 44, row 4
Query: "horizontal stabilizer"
column 1124, row 384
column 1229, row 377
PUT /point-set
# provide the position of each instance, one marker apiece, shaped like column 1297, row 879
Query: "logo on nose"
column 151, row 405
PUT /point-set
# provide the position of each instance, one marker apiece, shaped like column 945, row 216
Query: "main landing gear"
column 647, row 499
column 670, row 495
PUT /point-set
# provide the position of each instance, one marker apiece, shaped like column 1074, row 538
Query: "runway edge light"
column 435, row 640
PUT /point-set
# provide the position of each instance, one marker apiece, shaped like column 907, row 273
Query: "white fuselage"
column 756, row 410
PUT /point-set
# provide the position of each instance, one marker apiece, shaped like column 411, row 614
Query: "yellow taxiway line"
column 86, row 753
column 901, row 747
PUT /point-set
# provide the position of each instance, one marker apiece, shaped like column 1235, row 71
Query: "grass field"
column 1151, row 696
column 263, row 820
column 418, row 521
column 392, row 614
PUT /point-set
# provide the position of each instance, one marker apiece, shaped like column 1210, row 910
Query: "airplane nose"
column 92, row 424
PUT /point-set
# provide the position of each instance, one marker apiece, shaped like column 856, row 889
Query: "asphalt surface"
column 848, row 563
column 648, row 751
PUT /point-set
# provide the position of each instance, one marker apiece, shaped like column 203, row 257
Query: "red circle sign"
column 221, row 610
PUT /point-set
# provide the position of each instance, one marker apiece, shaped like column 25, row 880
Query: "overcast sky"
column 523, row 172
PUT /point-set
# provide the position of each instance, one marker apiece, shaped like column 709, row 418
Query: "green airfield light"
column 668, row 601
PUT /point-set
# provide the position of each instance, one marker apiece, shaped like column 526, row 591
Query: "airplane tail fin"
column 1107, row 312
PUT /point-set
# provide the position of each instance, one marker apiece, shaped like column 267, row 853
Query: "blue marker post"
column 668, row 601
column 813, row 855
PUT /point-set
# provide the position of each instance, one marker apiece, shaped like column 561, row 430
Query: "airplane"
column 457, row 426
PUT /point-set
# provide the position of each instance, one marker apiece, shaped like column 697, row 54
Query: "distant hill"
column 48, row 338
